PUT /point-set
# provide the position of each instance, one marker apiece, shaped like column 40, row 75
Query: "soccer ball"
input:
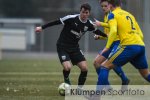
column 64, row 89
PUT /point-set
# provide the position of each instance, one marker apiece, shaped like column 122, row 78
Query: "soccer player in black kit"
column 75, row 26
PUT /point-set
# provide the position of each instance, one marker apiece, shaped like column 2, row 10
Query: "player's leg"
column 140, row 62
column 66, row 71
column 145, row 74
column 83, row 74
column 117, row 58
column 118, row 70
column 124, row 78
column 104, row 72
column 114, row 60
column 143, row 71
column 102, row 57
column 98, row 61
column 65, row 61
column 78, row 59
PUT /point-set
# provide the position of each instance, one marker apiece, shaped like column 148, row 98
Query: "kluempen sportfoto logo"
column 114, row 92
column 107, row 92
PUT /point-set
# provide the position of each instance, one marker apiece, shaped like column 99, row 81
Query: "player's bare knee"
column 67, row 68
column 96, row 64
column 84, row 68
column 108, row 64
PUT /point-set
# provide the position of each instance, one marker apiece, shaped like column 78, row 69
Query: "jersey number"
column 129, row 18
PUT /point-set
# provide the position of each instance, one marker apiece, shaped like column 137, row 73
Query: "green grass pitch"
column 39, row 79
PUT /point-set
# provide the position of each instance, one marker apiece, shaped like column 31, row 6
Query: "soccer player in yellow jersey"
column 132, row 47
column 102, row 56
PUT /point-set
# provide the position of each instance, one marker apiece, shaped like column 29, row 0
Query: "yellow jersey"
column 106, row 29
column 123, row 24
column 106, row 26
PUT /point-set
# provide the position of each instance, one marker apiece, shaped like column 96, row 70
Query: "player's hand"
column 97, row 23
column 96, row 37
column 38, row 29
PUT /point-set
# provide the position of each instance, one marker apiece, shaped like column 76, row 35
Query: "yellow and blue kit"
column 116, row 42
column 132, row 47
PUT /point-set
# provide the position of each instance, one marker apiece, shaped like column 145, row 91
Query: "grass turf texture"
column 39, row 79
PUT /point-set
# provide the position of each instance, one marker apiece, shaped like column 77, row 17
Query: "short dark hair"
column 115, row 3
column 86, row 6
column 103, row 1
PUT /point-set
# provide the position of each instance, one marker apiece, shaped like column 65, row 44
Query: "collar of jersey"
column 81, row 20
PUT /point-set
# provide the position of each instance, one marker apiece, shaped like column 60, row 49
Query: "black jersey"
column 73, row 30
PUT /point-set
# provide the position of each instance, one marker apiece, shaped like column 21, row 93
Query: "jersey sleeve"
column 98, row 32
column 103, row 24
column 113, row 30
column 52, row 23
column 67, row 19
column 91, row 26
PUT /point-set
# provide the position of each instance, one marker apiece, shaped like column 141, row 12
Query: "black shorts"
column 73, row 54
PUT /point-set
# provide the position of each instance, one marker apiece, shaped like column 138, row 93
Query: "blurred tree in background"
column 17, row 8
column 31, row 8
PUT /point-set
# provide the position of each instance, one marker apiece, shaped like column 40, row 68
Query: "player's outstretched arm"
column 103, row 24
column 40, row 28
column 56, row 22
column 100, row 33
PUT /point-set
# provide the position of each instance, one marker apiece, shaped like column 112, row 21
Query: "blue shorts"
column 134, row 54
column 113, row 48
